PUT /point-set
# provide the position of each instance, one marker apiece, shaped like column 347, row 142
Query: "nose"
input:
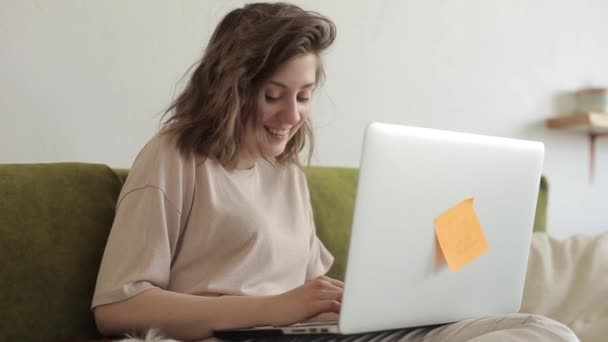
column 291, row 114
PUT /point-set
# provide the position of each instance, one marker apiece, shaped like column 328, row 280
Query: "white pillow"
column 567, row 280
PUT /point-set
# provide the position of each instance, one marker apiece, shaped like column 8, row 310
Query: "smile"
column 277, row 132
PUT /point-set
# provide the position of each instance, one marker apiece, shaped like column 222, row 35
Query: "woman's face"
column 284, row 102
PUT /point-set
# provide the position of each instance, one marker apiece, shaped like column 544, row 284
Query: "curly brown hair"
column 249, row 44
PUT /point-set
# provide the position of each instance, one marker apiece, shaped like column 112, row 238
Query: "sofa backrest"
column 332, row 192
column 54, row 223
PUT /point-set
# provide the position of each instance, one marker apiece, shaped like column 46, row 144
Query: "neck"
column 246, row 161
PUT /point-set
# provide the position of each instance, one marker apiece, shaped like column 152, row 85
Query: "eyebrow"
column 308, row 85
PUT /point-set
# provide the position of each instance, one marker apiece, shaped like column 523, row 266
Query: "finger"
column 331, row 295
column 328, row 306
column 325, row 317
column 333, row 281
column 325, row 285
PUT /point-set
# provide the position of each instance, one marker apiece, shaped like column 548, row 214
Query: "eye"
column 303, row 99
column 304, row 96
column 271, row 98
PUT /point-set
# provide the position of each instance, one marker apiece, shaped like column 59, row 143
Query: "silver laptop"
column 395, row 277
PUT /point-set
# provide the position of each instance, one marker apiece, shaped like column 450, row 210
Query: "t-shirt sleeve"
column 320, row 260
column 151, row 212
column 138, row 252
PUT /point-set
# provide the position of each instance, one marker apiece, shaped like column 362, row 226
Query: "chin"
column 276, row 151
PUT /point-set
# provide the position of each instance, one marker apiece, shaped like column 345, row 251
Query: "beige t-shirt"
column 186, row 224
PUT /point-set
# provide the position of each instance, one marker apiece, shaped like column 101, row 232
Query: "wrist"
column 268, row 308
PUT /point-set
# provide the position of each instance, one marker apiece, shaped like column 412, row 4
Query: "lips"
column 277, row 132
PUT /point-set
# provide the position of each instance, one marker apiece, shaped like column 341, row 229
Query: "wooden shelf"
column 590, row 123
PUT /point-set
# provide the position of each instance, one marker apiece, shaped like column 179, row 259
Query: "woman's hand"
column 324, row 317
column 318, row 296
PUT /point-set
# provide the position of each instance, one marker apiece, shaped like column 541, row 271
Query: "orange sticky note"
column 460, row 235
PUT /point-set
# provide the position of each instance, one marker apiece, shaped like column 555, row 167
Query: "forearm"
column 181, row 316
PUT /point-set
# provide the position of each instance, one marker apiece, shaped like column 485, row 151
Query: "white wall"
column 86, row 80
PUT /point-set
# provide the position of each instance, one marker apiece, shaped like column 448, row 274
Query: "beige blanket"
column 567, row 280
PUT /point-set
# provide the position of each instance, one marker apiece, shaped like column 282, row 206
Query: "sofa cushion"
column 54, row 222
column 567, row 280
column 332, row 193
column 540, row 220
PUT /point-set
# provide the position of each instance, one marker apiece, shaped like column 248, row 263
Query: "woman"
column 214, row 227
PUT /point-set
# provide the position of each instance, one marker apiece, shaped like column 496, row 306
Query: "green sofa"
column 54, row 222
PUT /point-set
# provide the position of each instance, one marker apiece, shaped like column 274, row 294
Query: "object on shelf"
column 592, row 100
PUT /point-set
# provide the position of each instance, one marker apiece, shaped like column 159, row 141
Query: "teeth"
column 277, row 131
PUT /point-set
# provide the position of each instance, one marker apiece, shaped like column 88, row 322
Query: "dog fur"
column 152, row 335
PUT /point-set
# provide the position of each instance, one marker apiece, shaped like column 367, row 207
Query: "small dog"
column 151, row 336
